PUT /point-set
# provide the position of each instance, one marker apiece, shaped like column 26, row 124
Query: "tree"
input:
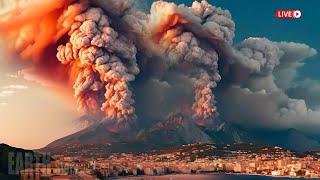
column 123, row 173
column 99, row 175
column 301, row 173
column 140, row 172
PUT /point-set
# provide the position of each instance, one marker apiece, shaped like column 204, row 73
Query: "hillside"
column 11, row 157
column 176, row 130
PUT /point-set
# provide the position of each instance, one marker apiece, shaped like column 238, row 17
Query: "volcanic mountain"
column 176, row 130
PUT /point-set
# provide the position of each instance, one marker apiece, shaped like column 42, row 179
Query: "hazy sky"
column 31, row 116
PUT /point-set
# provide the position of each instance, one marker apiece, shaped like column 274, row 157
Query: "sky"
column 33, row 115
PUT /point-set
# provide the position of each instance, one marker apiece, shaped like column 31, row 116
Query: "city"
column 187, row 159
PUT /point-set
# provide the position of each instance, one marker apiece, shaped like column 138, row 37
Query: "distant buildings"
column 268, row 161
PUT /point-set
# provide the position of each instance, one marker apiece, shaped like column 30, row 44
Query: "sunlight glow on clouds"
column 3, row 104
column 17, row 87
column 5, row 93
column 12, row 76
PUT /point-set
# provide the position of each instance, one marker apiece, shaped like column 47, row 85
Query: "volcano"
column 176, row 130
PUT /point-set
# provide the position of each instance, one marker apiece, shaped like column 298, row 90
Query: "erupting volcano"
column 127, row 66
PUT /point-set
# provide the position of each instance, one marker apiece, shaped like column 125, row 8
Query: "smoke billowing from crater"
column 113, row 54
column 107, row 63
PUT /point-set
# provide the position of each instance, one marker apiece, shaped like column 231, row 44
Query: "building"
column 160, row 170
column 276, row 173
column 237, row 168
column 67, row 177
column 148, row 171
column 30, row 174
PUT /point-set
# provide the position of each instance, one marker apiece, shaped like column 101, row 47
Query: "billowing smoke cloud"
column 34, row 32
column 122, row 62
column 189, row 36
column 33, row 29
column 106, row 63
column 256, row 92
column 308, row 90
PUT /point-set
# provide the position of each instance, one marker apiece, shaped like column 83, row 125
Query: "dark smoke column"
column 105, row 62
column 194, row 36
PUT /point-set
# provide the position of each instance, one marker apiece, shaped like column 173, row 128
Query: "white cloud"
column 30, row 74
column 6, row 93
column 12, row 76
column 17, row 87
column 3, row 104
column 10, row 90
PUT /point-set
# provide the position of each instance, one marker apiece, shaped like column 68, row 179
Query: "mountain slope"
column 176, row 130
column 290, row 139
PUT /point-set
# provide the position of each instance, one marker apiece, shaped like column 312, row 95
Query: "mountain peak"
column 177, row 129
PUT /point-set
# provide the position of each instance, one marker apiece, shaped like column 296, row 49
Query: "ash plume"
column 190, row 35
column 122, row 61
column 106, row 63
column 257, row 93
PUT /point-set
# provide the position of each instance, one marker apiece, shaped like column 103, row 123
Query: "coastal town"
column 196, row 158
